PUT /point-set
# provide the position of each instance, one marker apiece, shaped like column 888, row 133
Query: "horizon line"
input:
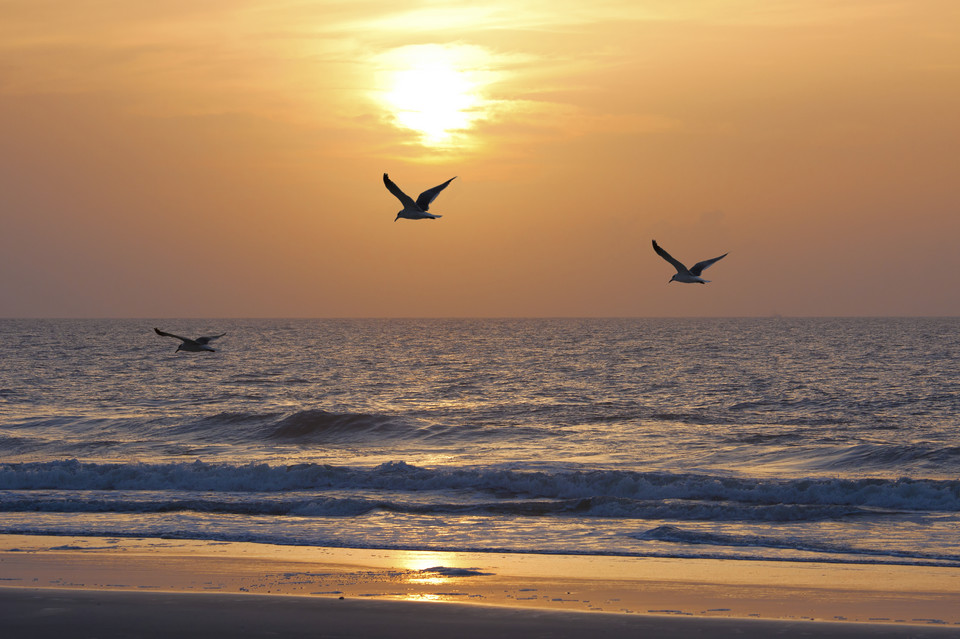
column 465, row 317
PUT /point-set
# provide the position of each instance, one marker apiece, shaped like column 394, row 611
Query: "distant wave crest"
column 320, row 424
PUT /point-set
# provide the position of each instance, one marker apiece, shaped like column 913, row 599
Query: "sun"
column 433, row 98
column 433, row 90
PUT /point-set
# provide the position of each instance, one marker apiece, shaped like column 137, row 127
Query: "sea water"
column 775, row 438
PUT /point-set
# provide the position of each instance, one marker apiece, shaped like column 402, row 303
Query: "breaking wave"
column 607, row 488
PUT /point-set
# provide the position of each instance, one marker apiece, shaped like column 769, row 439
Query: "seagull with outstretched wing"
column 415, row 210
column 193, row 345
column 686, row 275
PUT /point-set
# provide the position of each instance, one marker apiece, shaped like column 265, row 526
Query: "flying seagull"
column 415, row 210
column 193, row 345
column 684, row 274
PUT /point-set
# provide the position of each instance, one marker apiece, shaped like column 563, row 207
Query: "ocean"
column 832, row 440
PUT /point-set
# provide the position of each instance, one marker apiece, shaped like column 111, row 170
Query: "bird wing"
column 182, row 339
column 428, row 196
column 699, row 266
column 208, row 339
column 405, row 199
column 676, row 263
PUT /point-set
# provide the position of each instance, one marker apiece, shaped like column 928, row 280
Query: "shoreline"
column 601, row 588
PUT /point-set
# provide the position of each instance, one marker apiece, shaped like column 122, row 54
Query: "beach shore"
column 106, row 587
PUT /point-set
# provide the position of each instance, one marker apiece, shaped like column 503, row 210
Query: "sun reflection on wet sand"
column 425, row 597
column 433, row 569
column 419, row 561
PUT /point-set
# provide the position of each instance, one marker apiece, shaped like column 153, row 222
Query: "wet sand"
column 108, row 587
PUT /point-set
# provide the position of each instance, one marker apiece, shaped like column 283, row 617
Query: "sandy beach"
column 128, row 587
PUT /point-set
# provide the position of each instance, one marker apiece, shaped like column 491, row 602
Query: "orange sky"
column 224, row 158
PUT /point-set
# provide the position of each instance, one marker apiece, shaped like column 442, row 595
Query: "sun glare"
column 433, row 90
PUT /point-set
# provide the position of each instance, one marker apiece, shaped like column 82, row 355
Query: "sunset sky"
column 223, row 158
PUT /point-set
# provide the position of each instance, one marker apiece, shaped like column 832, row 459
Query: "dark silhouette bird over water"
column 686, row 275
column 415, row 210
column 193, row 345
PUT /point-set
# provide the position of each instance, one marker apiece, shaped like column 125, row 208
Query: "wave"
column 676, row 534
column 890, row 456
column 837, row 457
column 304, row 426
column 892, row 494
column 321, row 506
column 315, row 425
column 228, row 427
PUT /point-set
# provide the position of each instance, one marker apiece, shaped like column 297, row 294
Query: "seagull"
column 415, row 210
column 684, row 274
column 193, row 345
